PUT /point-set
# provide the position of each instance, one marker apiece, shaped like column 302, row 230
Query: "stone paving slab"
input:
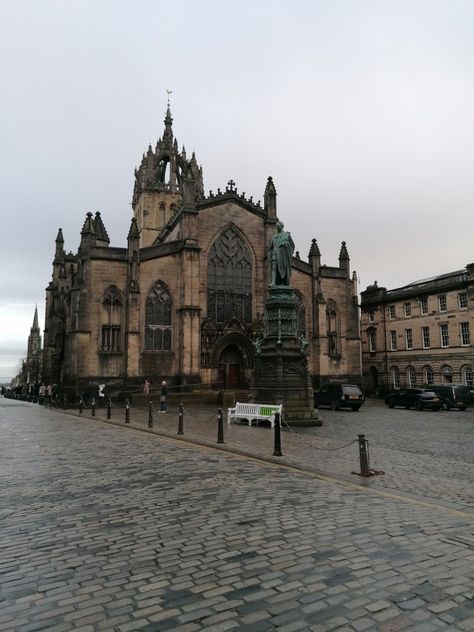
column 105, row 528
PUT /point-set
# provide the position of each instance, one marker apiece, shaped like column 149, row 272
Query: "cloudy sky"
column 361, row 110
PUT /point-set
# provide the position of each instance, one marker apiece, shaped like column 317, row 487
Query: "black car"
column 452, row 395
column 339, row 396
column 417, row 398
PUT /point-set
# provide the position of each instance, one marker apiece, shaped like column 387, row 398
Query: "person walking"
column 42, row 393
column 163, row 395
column 101, row 395
column 146, row 387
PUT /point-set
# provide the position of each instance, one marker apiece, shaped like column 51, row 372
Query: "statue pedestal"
column 281, row 369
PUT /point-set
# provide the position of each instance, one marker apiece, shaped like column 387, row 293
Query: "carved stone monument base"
column 281, row 369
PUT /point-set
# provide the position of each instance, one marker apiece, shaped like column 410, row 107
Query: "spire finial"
column 168, row 92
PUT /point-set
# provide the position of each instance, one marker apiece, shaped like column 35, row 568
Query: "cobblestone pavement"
column 106, row 528
column 426, row 453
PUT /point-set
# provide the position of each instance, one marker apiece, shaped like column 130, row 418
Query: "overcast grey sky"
column 361, row 110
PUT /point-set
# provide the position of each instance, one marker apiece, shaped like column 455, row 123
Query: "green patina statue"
column 280, row 253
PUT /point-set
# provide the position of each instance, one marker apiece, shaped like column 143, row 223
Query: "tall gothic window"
column 111, row 319
column 229, row 279
column 158, row 319
column 301, row 314
column 332, row 328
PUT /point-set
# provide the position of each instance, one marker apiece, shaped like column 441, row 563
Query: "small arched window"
column 411, row 377
column 158, row 319
column 428, row 375
column 396, row 377
column 111, row 319
column 467, row 376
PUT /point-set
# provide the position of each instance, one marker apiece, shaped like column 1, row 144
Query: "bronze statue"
column 280, row 253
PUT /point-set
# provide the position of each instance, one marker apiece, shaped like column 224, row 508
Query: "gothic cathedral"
column 184, row 299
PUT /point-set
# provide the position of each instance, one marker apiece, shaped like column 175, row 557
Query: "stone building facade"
column 31, row 367
column 184, row 298
column 420, row 333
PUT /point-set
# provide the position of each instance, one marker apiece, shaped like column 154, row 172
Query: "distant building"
column 184, row 298
column 31, row 368
column 420, row 333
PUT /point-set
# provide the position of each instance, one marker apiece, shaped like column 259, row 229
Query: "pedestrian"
column 49, row 394
column 42, row 393
column 101, row 397
column 163, row 394
column 55, row 394
column 146, row 387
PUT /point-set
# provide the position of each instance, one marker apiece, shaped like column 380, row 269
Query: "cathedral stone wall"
column 196, row 327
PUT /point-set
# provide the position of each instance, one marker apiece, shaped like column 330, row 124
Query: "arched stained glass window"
column 111, row 318
column 229, row 279
column 301, row 314
column 332, row 325
column 158, row 319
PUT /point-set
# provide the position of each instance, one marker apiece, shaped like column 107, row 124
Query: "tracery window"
column 161, row 215
column 111, row 318
column 332, row 326
column 158, row 319
column 301, row 314
column 229, row 279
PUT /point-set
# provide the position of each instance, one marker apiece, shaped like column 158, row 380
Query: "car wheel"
column 334, row 404
column 418, row 406
column 355, row 409
column 391, row 404
column 407, row 406
column 446, row 406
column 462, row 407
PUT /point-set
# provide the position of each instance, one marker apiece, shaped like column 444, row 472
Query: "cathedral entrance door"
column 231, row 367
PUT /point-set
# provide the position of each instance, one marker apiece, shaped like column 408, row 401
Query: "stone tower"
column 33, row 356
column 165, row 181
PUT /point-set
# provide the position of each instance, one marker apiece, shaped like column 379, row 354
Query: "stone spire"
column 100, row 231
column 269, row 198
column 314, row 257
column 167, row 141
column 88, row 235
column 344, row 259
column 59, row 254
column 35, row 326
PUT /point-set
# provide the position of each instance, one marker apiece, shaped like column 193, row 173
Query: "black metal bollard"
column 180, row 420
column 127, row 411
column 81, row 404
column 109, row 408
column 220, row 426
column 364, row 455
column 93, row 407
column 150, row 415
column 64, row 402
column 277, row 436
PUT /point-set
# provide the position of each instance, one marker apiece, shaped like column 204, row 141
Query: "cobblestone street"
column 109, row 528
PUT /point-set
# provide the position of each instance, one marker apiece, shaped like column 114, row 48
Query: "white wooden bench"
column 253, row 412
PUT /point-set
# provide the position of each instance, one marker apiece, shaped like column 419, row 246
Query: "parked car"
column 452, row 395
column 339, row 396
column 417, row 398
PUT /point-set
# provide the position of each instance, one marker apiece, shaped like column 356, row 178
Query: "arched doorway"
column 231, row 367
